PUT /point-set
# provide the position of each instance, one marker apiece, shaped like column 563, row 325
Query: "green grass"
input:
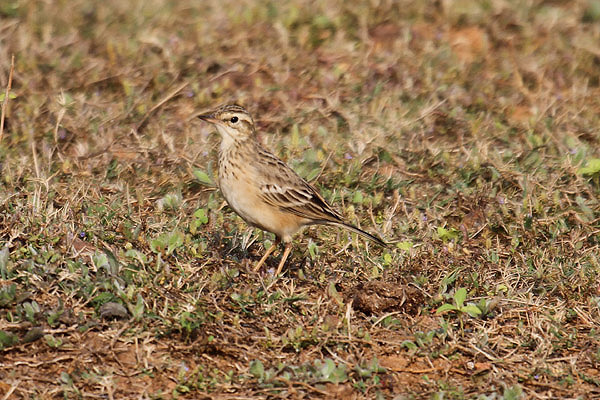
column 465, row 133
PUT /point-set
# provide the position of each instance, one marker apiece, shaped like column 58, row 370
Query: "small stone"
column 113, row 310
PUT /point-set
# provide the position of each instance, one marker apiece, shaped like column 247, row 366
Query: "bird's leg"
column 269, row 251
column 286, row 253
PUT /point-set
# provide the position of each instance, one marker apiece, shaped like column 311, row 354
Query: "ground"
column 466, row 134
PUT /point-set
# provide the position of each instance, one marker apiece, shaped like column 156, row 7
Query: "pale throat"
column 227, row 137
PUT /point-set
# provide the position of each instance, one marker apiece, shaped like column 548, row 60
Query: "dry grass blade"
column 6, row 96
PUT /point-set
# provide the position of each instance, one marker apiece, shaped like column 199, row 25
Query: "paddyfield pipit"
column 262, row 189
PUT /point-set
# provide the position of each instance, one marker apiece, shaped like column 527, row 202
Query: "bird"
column 262, row 189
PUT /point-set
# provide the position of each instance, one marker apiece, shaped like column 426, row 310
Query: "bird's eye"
column 234, row 120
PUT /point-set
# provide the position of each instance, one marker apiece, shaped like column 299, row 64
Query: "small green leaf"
column 460, row 296
column 409, row 344
column 171, row 201
column 138, row 309
column 257, row 369
column 200, row 218
column 100, row 260
column 364, row 372
column 52, row 341
column 387, row 259
column 358, row 197
column 31, row 309
column 313, row 250
column 157, row 245
column 168, row 242
column 203, row 177
column 327, row 368
column 7, row 339
column 472, row 310
column 175, row 241
column 65, row 99
column 447, row 234
column 136, row 255
column 513, row 393
column 592, row 167
column 332, row 291
column 587, row 211
column 295, row 136
column 339, row 375
column 330, row 372
column 66, row 378
column 8, row 295
column 375, row 367
column 103, row 298
column 406, row 246
column 54, row 315
column 11, row 95
column 445, row 307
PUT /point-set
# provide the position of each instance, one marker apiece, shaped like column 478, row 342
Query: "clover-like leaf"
column 200, row 215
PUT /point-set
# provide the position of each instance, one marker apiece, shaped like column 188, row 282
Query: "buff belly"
column 243, row 197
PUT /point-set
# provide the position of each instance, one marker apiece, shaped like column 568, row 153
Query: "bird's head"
column 233, row 122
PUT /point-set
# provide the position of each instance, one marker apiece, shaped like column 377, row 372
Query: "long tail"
column 359, row 231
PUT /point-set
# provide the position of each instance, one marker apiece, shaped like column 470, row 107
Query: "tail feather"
column 359, row 231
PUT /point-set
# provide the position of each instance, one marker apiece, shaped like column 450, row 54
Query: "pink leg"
column 286, row 253
column 269, row 251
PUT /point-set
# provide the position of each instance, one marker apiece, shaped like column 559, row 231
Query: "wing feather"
column 285, row 189
column 281, row 187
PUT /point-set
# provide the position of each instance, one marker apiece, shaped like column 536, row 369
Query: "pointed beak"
column 208, row 118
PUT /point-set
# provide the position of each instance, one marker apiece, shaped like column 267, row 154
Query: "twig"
column 5, row 102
